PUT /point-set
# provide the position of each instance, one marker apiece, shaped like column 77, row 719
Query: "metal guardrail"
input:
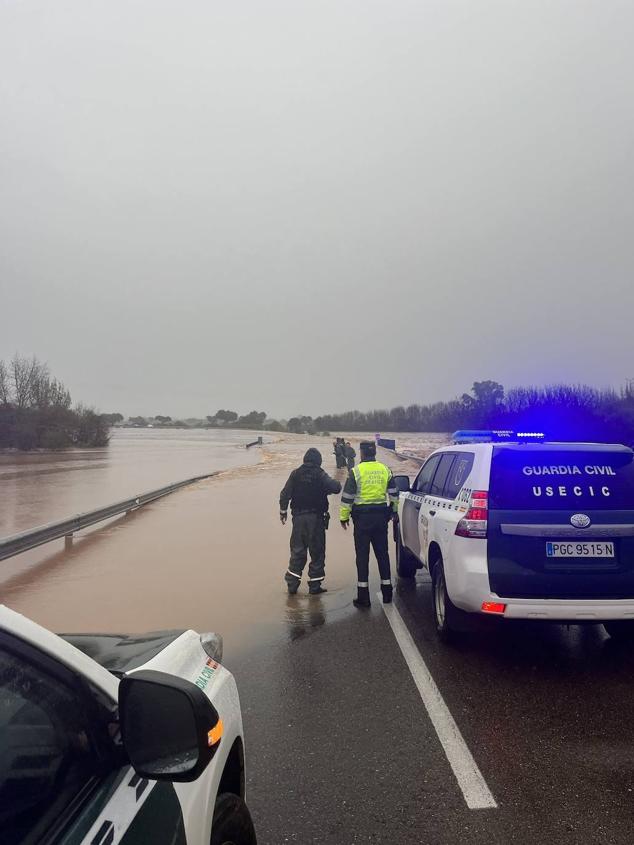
column 18, row 543
column 405, row 456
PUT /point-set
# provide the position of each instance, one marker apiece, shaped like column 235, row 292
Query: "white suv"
column 118, row 739
column 516, row 527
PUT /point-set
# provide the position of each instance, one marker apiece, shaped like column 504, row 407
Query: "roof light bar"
column 469, row 435
column 495, row 436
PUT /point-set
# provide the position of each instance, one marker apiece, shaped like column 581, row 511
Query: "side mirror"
column 402, row 483
column 170, row 729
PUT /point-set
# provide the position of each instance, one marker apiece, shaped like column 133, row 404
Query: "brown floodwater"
column 209, row 557
column 39, row 487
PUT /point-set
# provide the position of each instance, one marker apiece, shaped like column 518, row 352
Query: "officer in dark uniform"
column 365, row 495
column 307, row 490
column 350, row 454
column 340, row 453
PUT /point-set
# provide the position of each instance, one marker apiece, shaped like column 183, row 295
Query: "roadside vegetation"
column 36, row 410
column 561, row 412
column 36, row 413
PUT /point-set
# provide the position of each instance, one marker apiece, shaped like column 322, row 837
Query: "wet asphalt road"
column 341, row 749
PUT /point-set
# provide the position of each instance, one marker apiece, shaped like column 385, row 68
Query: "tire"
column 620, row 629
column 406, row 563
column 232, row 823
column 447, row 616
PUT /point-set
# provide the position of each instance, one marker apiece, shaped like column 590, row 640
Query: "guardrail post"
column 137, row 502
column 66, row 528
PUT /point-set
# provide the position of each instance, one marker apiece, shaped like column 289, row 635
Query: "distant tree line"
column 230, row 419
column 36, row 412
column 562, row 412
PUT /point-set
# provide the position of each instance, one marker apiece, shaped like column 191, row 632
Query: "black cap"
column 368, row 447
column 313, row 456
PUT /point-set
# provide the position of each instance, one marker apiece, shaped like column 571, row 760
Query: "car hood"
column 120, row 653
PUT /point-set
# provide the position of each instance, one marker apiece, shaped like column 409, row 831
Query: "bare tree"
column 40, row 386
column 29, row 384
column 59, row 395
column 23, row 372
column 5, row 389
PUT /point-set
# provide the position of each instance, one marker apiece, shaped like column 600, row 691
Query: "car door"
column 62, row 777
column 412, row 505
column 430, row 518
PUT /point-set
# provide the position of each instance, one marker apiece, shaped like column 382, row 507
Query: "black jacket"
column 307, row 489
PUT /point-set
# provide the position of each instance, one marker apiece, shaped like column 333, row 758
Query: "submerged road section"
column 360, row 726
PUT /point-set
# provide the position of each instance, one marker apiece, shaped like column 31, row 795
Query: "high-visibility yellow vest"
column 372, row 479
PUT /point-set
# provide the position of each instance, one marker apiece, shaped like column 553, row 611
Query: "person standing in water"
column 340, row 455
column 307, row 491
column 364, row 497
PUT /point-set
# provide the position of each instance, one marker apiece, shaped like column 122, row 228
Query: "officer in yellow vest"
column 364, row 496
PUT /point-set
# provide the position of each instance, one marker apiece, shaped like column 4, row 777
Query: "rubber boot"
column 386, row 590
column 363, row 597
column 316, row 591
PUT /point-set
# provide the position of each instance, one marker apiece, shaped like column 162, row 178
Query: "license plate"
column 580, row 549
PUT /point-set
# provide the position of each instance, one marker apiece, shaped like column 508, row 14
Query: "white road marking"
column 474, row 788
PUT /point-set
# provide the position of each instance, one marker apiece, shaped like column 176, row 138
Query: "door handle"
column 432, row 513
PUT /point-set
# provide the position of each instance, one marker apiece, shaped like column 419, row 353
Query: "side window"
column 444, row 468
column 459, row 473
column 426, row 474
column 46, row 754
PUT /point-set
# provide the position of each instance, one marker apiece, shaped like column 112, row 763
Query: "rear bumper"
column 554, row 610
column 569, row 610
column 468, row 585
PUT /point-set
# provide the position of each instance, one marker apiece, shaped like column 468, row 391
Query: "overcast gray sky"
column 313, row 206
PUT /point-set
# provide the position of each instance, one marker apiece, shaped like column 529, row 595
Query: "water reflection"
column 303, row 615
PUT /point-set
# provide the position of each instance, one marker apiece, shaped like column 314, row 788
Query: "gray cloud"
column 311, row 206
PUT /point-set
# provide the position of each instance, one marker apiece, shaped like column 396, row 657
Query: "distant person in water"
column 350, row 454
column 340, row 454
column 307, row 491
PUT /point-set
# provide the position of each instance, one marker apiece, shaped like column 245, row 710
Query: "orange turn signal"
column 493, row 607
column 215, row 734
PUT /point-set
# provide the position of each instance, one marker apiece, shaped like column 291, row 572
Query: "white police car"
column 118, row 739
column 516, row 527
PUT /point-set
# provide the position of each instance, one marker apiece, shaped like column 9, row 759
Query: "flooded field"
column 36, row 488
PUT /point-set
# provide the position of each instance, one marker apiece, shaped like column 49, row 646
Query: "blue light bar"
column 480, row 436
column 492, row 436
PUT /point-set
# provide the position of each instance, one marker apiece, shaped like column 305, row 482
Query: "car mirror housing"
column 169, row 728
column 402, row 483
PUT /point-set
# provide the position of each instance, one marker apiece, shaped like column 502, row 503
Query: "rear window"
column 459, row 473
column 540, row 479
column 438, row 484
column 426, row 474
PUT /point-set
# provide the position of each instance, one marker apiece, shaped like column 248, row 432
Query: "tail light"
column 474, row 522
column 493, row 607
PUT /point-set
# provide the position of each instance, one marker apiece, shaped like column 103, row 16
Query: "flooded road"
column 36, row 488
column 210, row 556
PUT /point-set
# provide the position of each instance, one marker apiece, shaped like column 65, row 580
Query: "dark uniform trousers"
column 308, row 535
column 370, row 529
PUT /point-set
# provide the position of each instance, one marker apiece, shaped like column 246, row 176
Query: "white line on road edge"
column 474, row 788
